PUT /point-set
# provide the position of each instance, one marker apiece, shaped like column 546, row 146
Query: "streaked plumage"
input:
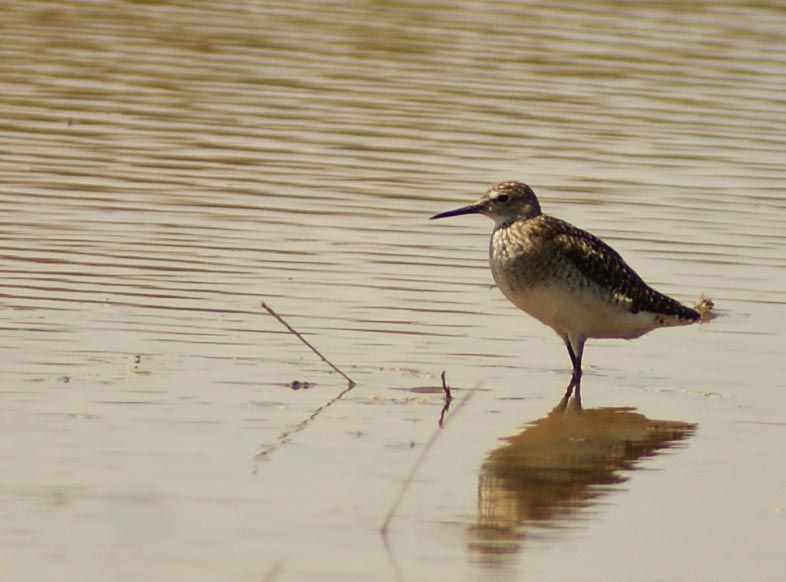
column 568, row 278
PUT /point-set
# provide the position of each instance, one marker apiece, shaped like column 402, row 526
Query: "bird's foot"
column 566, row 399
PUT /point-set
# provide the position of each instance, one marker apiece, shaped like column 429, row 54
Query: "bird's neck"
column 506, row 221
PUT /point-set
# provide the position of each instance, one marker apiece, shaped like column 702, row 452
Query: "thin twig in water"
column 286, row 436
column 410, row 478
column 448, row 400
column 350, row 383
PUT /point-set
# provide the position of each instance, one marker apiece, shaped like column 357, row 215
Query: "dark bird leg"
column 575, row 347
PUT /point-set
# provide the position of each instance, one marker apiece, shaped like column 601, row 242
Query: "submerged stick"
column 286, row 436
column 350, row 383
column 418, row 462
column 273, row 572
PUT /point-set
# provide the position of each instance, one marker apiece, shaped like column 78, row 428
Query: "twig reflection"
column 448, row 400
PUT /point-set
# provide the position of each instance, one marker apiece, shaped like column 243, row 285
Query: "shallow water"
column 166, row 168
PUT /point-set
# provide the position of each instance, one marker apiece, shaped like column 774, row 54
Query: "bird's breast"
column 517, row 260
column 547, row 286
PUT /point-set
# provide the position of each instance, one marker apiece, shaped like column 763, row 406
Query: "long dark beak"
column 471, row 209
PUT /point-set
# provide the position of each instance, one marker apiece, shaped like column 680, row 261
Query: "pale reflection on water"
column 552, row 473
column 165, row 166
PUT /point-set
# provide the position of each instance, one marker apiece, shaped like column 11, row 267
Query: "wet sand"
column 167, row 168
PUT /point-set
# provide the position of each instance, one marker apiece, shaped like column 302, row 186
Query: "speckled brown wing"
column 598, row 262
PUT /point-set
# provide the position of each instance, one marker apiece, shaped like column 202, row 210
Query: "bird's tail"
column 706, row 309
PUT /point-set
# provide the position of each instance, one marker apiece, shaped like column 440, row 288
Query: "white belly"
column 586, row 314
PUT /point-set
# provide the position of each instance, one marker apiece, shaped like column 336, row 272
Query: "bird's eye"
column 503, row 198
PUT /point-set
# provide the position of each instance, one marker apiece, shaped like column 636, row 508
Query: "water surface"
column 166, row 167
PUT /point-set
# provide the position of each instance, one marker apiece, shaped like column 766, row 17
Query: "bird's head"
column 502, row 203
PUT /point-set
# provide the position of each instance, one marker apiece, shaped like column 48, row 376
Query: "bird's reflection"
column 559, row 465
